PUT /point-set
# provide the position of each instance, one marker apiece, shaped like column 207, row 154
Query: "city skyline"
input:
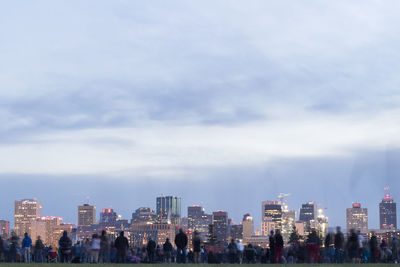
column 300, row 214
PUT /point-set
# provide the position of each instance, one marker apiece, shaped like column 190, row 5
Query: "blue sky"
column 223, row 103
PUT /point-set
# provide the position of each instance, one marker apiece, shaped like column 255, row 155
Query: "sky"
column 223, row 103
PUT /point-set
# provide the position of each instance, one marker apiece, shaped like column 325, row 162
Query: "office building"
column 220, row 222
column 140, row 234
column 50, row 229
column 357, row 218
column 198, row 220
column 168, row 208
column 236, row 232
column 271, row 216
column 26, row 211
column 387, row 213
column 308, row 213
column 86, row 215
column 248, row 226
column 108, row 217
column 144, row 215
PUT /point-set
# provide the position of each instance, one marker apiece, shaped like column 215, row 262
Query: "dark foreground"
column 4, row 264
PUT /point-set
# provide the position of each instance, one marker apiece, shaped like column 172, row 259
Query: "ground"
column 175, row 265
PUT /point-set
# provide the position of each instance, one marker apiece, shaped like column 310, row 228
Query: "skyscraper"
column 271, row 215
column 357, row 218
column 169, row 208
column 198, row 220
column 108, row 217
column 144, row 215
column 26, row 211
column 220, row 222
column 387, row 213
column 86, row 215
column 308, row 212
column 248, row 226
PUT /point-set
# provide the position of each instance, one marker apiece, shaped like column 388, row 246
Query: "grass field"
column 187, row 265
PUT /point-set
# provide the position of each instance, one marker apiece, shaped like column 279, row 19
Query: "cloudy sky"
column 223, row 103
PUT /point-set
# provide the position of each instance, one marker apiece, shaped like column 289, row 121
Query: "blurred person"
column 151, row 249
column 338, row 243
column 313, row 247
column 122, row 245
column 278, row 252
column 181, row 241
column 329, row 248
column 353, row 246
column 65, row 246
column 39, row 250
column 26, row 248
column 196, row 241
column 240, row 249
column 94, row 249
column 361, row 242
column 272, row 247
column 373, row 247
column 104, row 256
column 394, row 245
column 77, row 253
column 167, row 249
column 249, row 254
column 232, row 251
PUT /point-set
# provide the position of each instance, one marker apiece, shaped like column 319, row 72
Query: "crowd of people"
column 334, row 248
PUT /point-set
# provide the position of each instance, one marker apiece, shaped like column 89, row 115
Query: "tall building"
column 86, row 215
column 108, row 217
column 50, row 229
column 236, row 232
column 271, row 216
column 357, row 218
column 144, row 215
column 26, row 211
column 288, row 221
column 248, row 226
column 220, row 222
column 198, row 220
column 169, row 209
column 140, row 234
column 308, row 212
column 387, row 213
column 4, row 228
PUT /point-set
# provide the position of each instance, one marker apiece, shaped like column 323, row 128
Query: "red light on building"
column 109, row 210
column 104, row 210
column 387, row 196
column 356, row 205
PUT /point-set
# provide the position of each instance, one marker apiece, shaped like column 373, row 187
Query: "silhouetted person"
column 353, row 246
column 167, row 249
column 122, row 245
column 373, row 247
column 181, row 241
column 104, row 256
column 65, row 245
column 151, row 249
column 232, row 251
column 339, row 241
column 313, row 247
column 249, row 254
column 196, row 247
column 272, row 247
column 278, row 247
column 39, row 250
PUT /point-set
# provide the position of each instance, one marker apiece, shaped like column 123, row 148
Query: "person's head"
column 272, row 232
column 278, row 232
column 167, row 240
column 232, row 240
column 94, row 236
column 180, row 231
column 313, row 231
column 338, row 229
column 121, row 233
column 103, row 233
column 38, row 237
column 358, row 232
column 26, row 234
column 65, row 233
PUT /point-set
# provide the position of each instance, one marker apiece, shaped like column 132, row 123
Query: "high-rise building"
column 387, row 213
column 108, row 217
column 144, row 215
column 169, row 209
column 198, row 220
column 308, row 212
column 220, row 222
column 26, row 211
column 248, row 226
column 271, row 213
column 288, row 221
column 140, row 234
column 86, row 215
column 357, row 218
column 237, row 231
column 4, row 228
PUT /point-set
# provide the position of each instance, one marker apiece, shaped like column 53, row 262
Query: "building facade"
column 168, row 208
column 220, row 222
column 25, row 212
column 357, row 218
column 4, row 228
column 308, row 213
column 271, row 216
column 86, row 215
column 387, row 213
